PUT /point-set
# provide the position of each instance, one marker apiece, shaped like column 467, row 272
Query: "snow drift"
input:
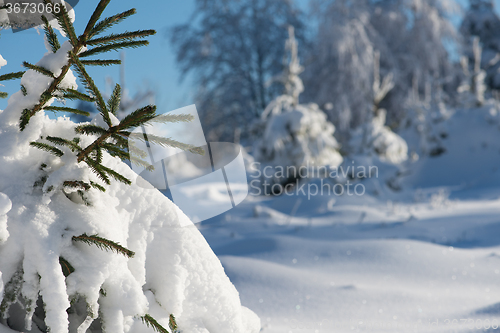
column 173, row 270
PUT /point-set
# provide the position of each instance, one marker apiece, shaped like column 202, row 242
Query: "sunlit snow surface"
column 173, row 271
column 424, row 259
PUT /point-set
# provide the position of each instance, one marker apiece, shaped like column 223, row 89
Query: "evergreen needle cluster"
column 112, row 138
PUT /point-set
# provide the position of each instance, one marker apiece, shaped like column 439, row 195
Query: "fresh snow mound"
column 172, row 263
column 377, row 138
column 173, row 271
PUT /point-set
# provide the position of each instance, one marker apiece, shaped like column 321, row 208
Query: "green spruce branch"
column 51, row 35
column 72, row 94
column 151, row 322
column 100, row 62
column 48, row 148
column 114, row 100
column 112, row 138
column 104, row 244
column 11, row 76
column 66, row 267
column 38, row 69
column 172, row 324
column 67, row 109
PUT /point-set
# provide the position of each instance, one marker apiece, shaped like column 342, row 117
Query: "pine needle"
column 39, row 69
column 11, row 76
column 25, row 118
column 66, row 267
column 114, row 100
column 95, row 17
column 91, row 87
column 76, row 184
column 97, row 169
column 172, row 324
column 100, row 62
column 66, row 109
column 48, row 148
column 151, row 322
column 65, row 22
column 124, row 36
column 167, row 142
column 104, row 244
column 90, row 129
column 50, row 35
column 73, row 145
column 76, row 95
column 109, row 22
column 97, row 186
column 113, row 47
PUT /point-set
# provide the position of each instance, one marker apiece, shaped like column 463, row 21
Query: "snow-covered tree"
column 374, row 137
column 481, row 21
column 295, row 134
column 233, row 48
column 339, row 72
column 78, row 251
column 425, row 121
column 473, row 86
column 410, row 36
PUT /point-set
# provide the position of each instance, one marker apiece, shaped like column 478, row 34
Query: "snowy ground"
column 426, row 259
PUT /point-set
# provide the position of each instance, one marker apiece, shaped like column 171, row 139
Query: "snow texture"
column 386, row 261
column 174, row 271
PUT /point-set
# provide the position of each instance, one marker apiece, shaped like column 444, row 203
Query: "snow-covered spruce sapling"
column 474, row 86
column 105, row 135
column 294, row 134
column 373, row 137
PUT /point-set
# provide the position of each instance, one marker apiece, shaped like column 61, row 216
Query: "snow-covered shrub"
column 473, row 86
column 409, row 35
column 424, row 125
column 79, row 252
column 482, row 21
column 295, row 134
column 373, row 136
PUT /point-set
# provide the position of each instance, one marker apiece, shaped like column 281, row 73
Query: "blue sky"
column 152, row 66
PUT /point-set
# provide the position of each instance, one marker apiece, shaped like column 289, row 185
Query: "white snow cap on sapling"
column 3, row 62
column 295, row 134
